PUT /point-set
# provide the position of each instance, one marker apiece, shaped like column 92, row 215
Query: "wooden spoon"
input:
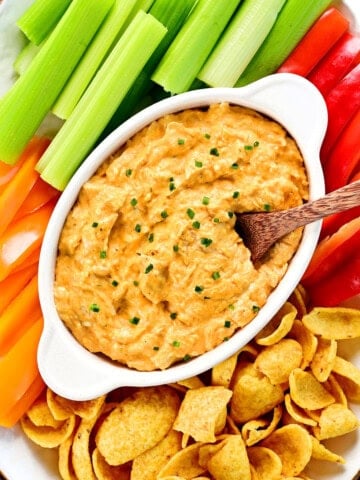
column 260, row 231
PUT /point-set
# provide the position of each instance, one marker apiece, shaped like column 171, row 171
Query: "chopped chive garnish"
column 267, row 207
column 133, row 202
column 137, row 228
column 176, row 248
column 149, row 268
column 136, row 283
column 128, row 172
column 216, row 220
column 216, row 275
column 172, row 186
column 151, row 237
column 94, row 307
column 256, row 143
column 164, row 214
column 102, row 254
column 181, row 141
column 190, row 213
column 255, row 308
column 205, row 200
column 134, row 320
column 231, row 307
column 236, row 194
column 196, row 225
column 176, row 343
column 156, row 348
column 214, row 151
column 225, row 339
column 235, row 166
column 186, row 358
column 248, row 147
column 227, row 324
column 114, row 283
column 207, row 135
column 230, row 214
column 198, row 289
column 95, row 224
column 206, row 242
column 198, row 164
column 173, row 315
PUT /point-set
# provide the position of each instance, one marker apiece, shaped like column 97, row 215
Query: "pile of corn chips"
column 260, row 415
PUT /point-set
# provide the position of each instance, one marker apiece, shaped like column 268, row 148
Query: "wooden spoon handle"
column 334, row 202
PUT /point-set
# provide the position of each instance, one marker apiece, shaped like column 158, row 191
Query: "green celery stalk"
column 41, row 17
column 93, row 58
column 242, row 38
column 25, row 57
column 192, row 45
column 294, row 20
column 172, row 14
column 25, row 105
column 95, row 108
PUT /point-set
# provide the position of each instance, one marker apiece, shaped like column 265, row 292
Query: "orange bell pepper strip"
column 13, row 284
column 20, row 185
column 9, row 419
column 332, row 252
column 39, row 195
column 18, row 370
column 19, row 315
column 324, row 33
column 22, row 238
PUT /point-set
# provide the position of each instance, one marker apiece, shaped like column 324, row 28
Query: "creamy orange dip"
column 150, row 270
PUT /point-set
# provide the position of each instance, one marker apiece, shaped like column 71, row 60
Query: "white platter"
column 19, row 458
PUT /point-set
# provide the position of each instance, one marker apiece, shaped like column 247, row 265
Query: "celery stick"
column 241, row 40
column 172, row 14
column 40, row 18
column 294, row 20
column 93, row 58
column 25, row 57
column 25, row 105
column 95, row 108
column 191, row 47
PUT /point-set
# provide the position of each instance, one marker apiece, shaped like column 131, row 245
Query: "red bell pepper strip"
column 342, row 58
column 332, row 252
column 18, row 188
column 323, row 34
column 342, row 102
column 342, row 284
column 39, row 195
column 22, row 238
column 345, row 155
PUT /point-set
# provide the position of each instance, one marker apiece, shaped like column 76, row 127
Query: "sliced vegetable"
column 19, row 315
column 7, row 172
column 342, row 102
column 13, row 284
column 41, row 17
column 99, row 48
column 344, row 56
column 192, row 45
column 21, row 184
column 32, row 259
column 37, row 89
column 25, row 57
column 172, row 14
column 22, row 239
column 18, row 373
column 9, row 419
column 294, row 20
column 341, row 285
column 101, row 99
column 324, row 33
column 332, row 252
column 344, row 156
column 238, row 44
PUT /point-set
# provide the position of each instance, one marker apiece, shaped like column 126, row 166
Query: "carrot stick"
column 22, row 406
column 22, row 238
column 40, row 194
column 19, row 315
column 18, row 368
column 13, row 284
column 29, row 261
column 20, row 185
column 7, row 172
